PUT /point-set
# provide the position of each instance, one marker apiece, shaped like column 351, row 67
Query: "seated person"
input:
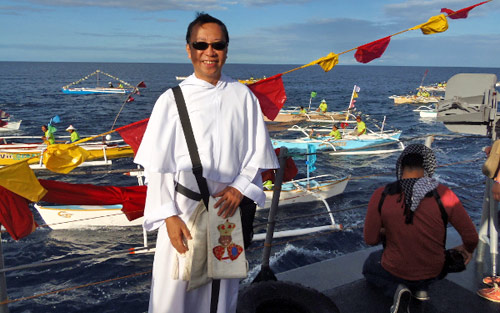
column 302, row 110
column 48, row 134
column 408, row 221
column 335, row 133
column 74, row 136
column 322, row 107
column 360, row 126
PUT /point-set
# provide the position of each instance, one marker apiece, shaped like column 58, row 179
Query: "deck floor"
column 341, row 280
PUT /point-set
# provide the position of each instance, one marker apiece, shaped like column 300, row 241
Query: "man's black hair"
column 204, row 18
column 412, row 160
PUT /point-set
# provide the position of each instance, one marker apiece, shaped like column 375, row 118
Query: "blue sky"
column 261, row 31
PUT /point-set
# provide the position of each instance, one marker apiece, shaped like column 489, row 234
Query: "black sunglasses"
column 201, row 45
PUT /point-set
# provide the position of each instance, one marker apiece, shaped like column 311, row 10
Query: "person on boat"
column 74, row 136
column 360, row 126
column 322, row 107
column 406, row 216
column 233, row 146
column 120, row 86
column 335, row 133
column 302, row 110
column 110, row 85
column 48, row 135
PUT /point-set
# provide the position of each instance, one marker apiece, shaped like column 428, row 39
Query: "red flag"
column 141, row 85
column 372, row 50
column 132, row 198
column 130, row 99
column 463, row 13
column 3, row 123
column 271, row 95
column 15, row 215
column 132, row 133
column 291, row 170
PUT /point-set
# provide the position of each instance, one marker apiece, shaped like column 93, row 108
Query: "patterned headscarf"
column 415, row 189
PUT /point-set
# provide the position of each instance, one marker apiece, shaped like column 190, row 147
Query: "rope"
column 74, row 288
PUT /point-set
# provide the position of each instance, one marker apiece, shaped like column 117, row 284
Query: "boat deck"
column 341, row 280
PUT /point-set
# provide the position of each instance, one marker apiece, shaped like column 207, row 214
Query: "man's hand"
column 229, row 201
column 178, row 233
column 466, row 254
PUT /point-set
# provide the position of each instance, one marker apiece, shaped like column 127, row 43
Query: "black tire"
column 283, row 297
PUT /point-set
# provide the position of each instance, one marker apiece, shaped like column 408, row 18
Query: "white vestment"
column 233, row 145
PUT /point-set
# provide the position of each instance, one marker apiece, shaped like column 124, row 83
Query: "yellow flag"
column 63, row 158
column 326, row 63
column 436, row 24
column 355, row 94
column 20, row 179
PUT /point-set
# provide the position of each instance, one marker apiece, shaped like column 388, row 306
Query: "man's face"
column 207, row 63
column 44, row 129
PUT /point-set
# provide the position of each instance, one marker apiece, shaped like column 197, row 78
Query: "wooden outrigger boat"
column 347, row 144
column 414, row 99
column 427, row 111
column 99, row 153
column 310, row 189
column 122, row 88
column 8, row 125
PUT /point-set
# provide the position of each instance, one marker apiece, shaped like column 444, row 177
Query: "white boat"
column 122, row 88
column 428, row 111
column 10, row 125
column 315, row 188
column 84, row 216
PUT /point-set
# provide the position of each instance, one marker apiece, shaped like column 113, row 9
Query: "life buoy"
column 343, row 125
column 281, row 297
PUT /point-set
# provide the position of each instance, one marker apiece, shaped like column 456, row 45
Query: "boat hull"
column 11, row 155
column 97, row 90
column 85, row 216
column 11, row 125
column 298, row 191
column 351, row 143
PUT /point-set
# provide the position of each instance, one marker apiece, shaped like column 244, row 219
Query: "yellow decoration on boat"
column 326, row 63
column 435, row 24
column 20, row 179
column 63, row 158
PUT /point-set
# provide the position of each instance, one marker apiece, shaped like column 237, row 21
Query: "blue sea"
column 32, row 92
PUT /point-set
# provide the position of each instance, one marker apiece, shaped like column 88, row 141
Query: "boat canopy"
column 97, row 72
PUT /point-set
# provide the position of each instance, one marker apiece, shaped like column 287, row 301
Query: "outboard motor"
column 470, row 104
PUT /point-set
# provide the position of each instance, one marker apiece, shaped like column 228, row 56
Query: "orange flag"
column 436, row 24
column 463, row 13
column 372, row 50
column 271, row 95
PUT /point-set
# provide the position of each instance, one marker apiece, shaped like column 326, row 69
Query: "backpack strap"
column 191, row 143
column 444, row 215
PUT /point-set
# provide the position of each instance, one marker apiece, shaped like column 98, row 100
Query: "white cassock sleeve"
column 160, row 202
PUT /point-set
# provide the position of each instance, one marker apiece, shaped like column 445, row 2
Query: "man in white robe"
column 234, row 147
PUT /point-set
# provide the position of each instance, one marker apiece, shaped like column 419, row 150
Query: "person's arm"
column 459, row 219
column 160, row 209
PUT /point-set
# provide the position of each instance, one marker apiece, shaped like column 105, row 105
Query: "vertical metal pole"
column 3, row 283
column 483, row 227
column 274, row 207
column 493, row 227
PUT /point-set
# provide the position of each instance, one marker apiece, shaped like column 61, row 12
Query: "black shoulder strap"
column 191, row 143
column 444, row 215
